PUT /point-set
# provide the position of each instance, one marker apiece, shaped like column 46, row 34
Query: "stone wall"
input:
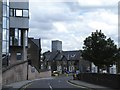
column 107, row 80
column 15, row 74
column 19, row 73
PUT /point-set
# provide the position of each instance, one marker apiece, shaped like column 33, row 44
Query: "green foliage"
column 99, row 50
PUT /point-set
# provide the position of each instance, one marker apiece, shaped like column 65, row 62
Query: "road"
column 52, row 84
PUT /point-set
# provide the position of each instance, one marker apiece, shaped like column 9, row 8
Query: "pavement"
column 88, row 85
column 16, row 86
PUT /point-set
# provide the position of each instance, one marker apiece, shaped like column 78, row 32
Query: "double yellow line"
column 25, row 86
column 79, row 86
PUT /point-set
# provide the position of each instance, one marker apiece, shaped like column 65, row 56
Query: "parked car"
column 55, row 73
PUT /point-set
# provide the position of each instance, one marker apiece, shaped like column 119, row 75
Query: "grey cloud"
column 41, row 25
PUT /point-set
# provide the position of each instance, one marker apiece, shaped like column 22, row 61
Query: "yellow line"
column 78, row 86
column 24, row 87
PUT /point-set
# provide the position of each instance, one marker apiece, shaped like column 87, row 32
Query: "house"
column 65, row 61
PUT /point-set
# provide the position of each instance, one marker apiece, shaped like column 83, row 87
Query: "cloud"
column 98, row 2
column 72, row 22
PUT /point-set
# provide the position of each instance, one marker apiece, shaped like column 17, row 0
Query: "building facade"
column 34, row 52
column 63, row 61
column 5, row 32
column 0, row 43
column 15, row 26
column 18, row 30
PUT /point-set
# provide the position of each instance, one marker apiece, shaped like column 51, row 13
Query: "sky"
column 71, row 21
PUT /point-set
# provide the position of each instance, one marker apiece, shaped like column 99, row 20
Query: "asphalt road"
column 52, row 84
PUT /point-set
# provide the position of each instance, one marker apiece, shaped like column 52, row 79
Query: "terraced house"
column 62, row 61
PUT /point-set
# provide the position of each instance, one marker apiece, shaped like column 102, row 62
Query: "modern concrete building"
column 15, row 28
column 56, row 45
column 0, row 44
column 18, row 29
column 14, row 31
column 5, row 32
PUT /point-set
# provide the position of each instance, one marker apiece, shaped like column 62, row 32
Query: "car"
column 55, row 73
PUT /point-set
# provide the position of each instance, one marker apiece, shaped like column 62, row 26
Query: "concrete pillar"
column 0, row 44
column 24, row 47
column 24, row 54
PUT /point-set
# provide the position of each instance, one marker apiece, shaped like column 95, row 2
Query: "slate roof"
column 36, row 41
column 62, row 55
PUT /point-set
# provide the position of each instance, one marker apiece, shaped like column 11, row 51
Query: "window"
column 26, row 38
column 15, row 37
column 25, row 13
column 4, row 10
column 4, row 22
column 12, row 12
column 19, row 13
column 19, row 56
column 4, row 34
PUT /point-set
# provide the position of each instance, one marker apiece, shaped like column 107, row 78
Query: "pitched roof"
column 36, row 41
column 72, row 55
column 67, row 55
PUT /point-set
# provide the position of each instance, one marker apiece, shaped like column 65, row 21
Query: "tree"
column 99, row 50
column 118, row 61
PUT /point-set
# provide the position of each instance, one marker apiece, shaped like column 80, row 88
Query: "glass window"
column 4, row 10
column 4, row 35
column 4, row 44
column 16, row 33
column 12, row 12
column 7, row 37
column 4, row 22
column 19, row 13
column 19, row 38
column 7, row 11
column 26, row 38
column 25, row 13
column 19, row 56
column 7, row 23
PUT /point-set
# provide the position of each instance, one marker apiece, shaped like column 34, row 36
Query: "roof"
column 72, row 55
column 36, row 41
column 62, row 55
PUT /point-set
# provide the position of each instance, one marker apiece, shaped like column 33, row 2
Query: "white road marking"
column 50, row 86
